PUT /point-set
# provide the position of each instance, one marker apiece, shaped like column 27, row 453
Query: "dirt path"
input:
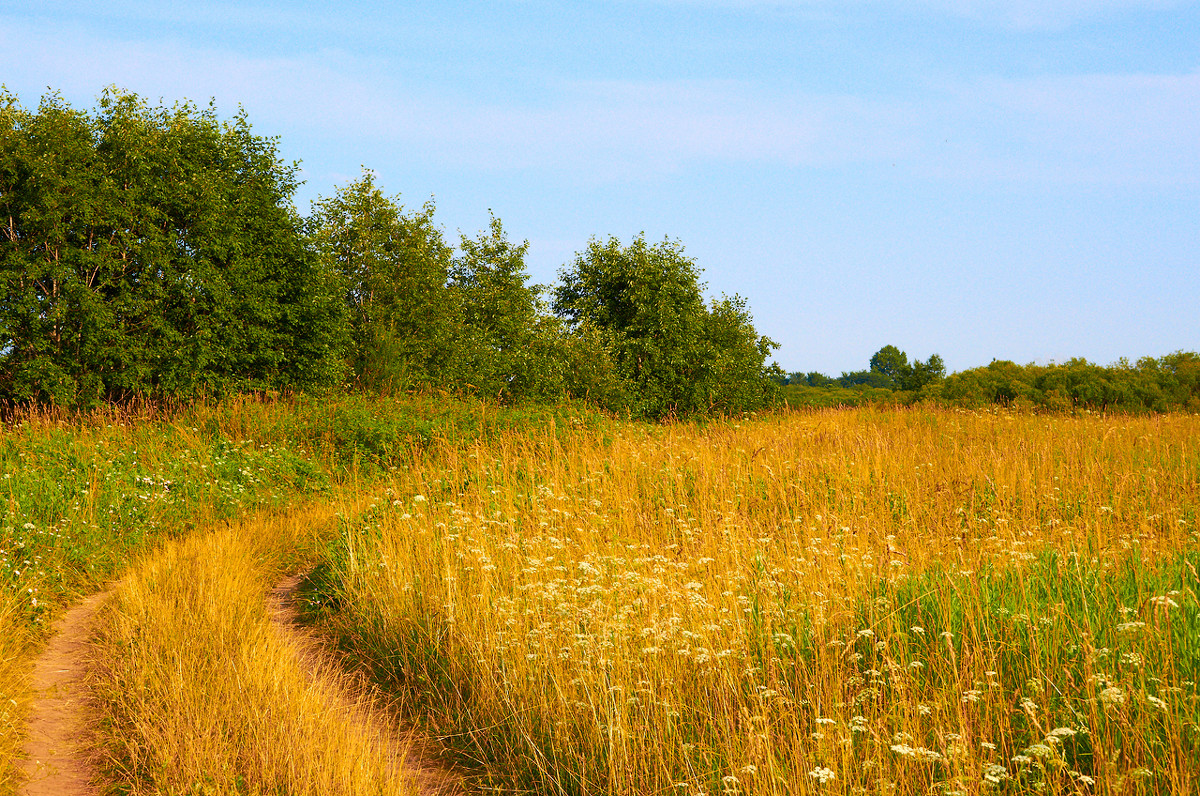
column 55, row 765
column 421, row 766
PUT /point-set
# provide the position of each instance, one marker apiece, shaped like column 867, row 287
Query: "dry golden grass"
column 904, row 601
column 14, row 690
column 197, row 693
column 79, row 495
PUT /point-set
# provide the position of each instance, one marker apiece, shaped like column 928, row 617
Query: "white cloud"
column 1014, row 14
column 1093, row 128
column 611, row 128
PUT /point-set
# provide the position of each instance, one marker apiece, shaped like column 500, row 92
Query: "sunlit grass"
column 905, row 601
column 83, row 495
column 194, row 691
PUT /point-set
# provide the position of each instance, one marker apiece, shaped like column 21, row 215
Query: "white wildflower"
column 918, row 753
column 1112, row 695
column 1059, row 733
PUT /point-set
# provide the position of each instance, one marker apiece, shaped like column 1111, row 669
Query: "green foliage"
column 392, row 269
column 890, row 362
column 642, row 303
column 811, row 379
column 506, row 345
column 1060, row 631
column 890, row 368
column 798, row 395
column 152, row 251
column 921, row 374
column 83, row 498
column 1168, row 383
column 84, row 495
column 867, row 378
column 890, row 372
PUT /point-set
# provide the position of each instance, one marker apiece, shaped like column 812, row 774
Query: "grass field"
column 195, row 692
column 906, row 601
column 892, row 601
column 82, row 498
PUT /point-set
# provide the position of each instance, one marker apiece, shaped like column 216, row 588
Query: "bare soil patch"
column 56, row 764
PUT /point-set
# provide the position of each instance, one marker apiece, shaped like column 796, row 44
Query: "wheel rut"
column 56, row 764
column 420, row 767
column 57, row 761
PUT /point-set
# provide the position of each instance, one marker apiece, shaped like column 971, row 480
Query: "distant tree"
column 153, row 251
column 891, row 362
column 920, row 374
column 868, row 378
column 393, row 269
column 675, row 355
column 812, row 379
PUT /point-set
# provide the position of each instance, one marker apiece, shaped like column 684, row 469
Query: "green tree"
column 890, row 368
column 892, row 363
column 676, row 355
column 734, row 375
column 393, row 269
column 153, row 251
column 502, row 341
column 921, row 374
column 867, row 378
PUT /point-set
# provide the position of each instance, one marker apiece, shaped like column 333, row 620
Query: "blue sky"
column 1012, row 180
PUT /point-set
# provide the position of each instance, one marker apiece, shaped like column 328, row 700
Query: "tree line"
column 155, row 252
column 1163, row 384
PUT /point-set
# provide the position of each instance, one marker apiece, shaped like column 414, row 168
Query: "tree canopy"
column 678, row 355
column 153, row 251
column 391, row 268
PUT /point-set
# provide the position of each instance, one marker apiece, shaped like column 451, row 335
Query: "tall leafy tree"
column 153, row 251
column 676, row 355
column 891, row 362
column 890, row 367
column 393, row 268
column 500, row 346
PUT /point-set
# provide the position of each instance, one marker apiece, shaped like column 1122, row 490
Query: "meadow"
column 899, row 601
column 117, row 493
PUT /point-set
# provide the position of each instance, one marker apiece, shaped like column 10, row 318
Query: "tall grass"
column 81, row 496
column 906, row 601
column 197, row 693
